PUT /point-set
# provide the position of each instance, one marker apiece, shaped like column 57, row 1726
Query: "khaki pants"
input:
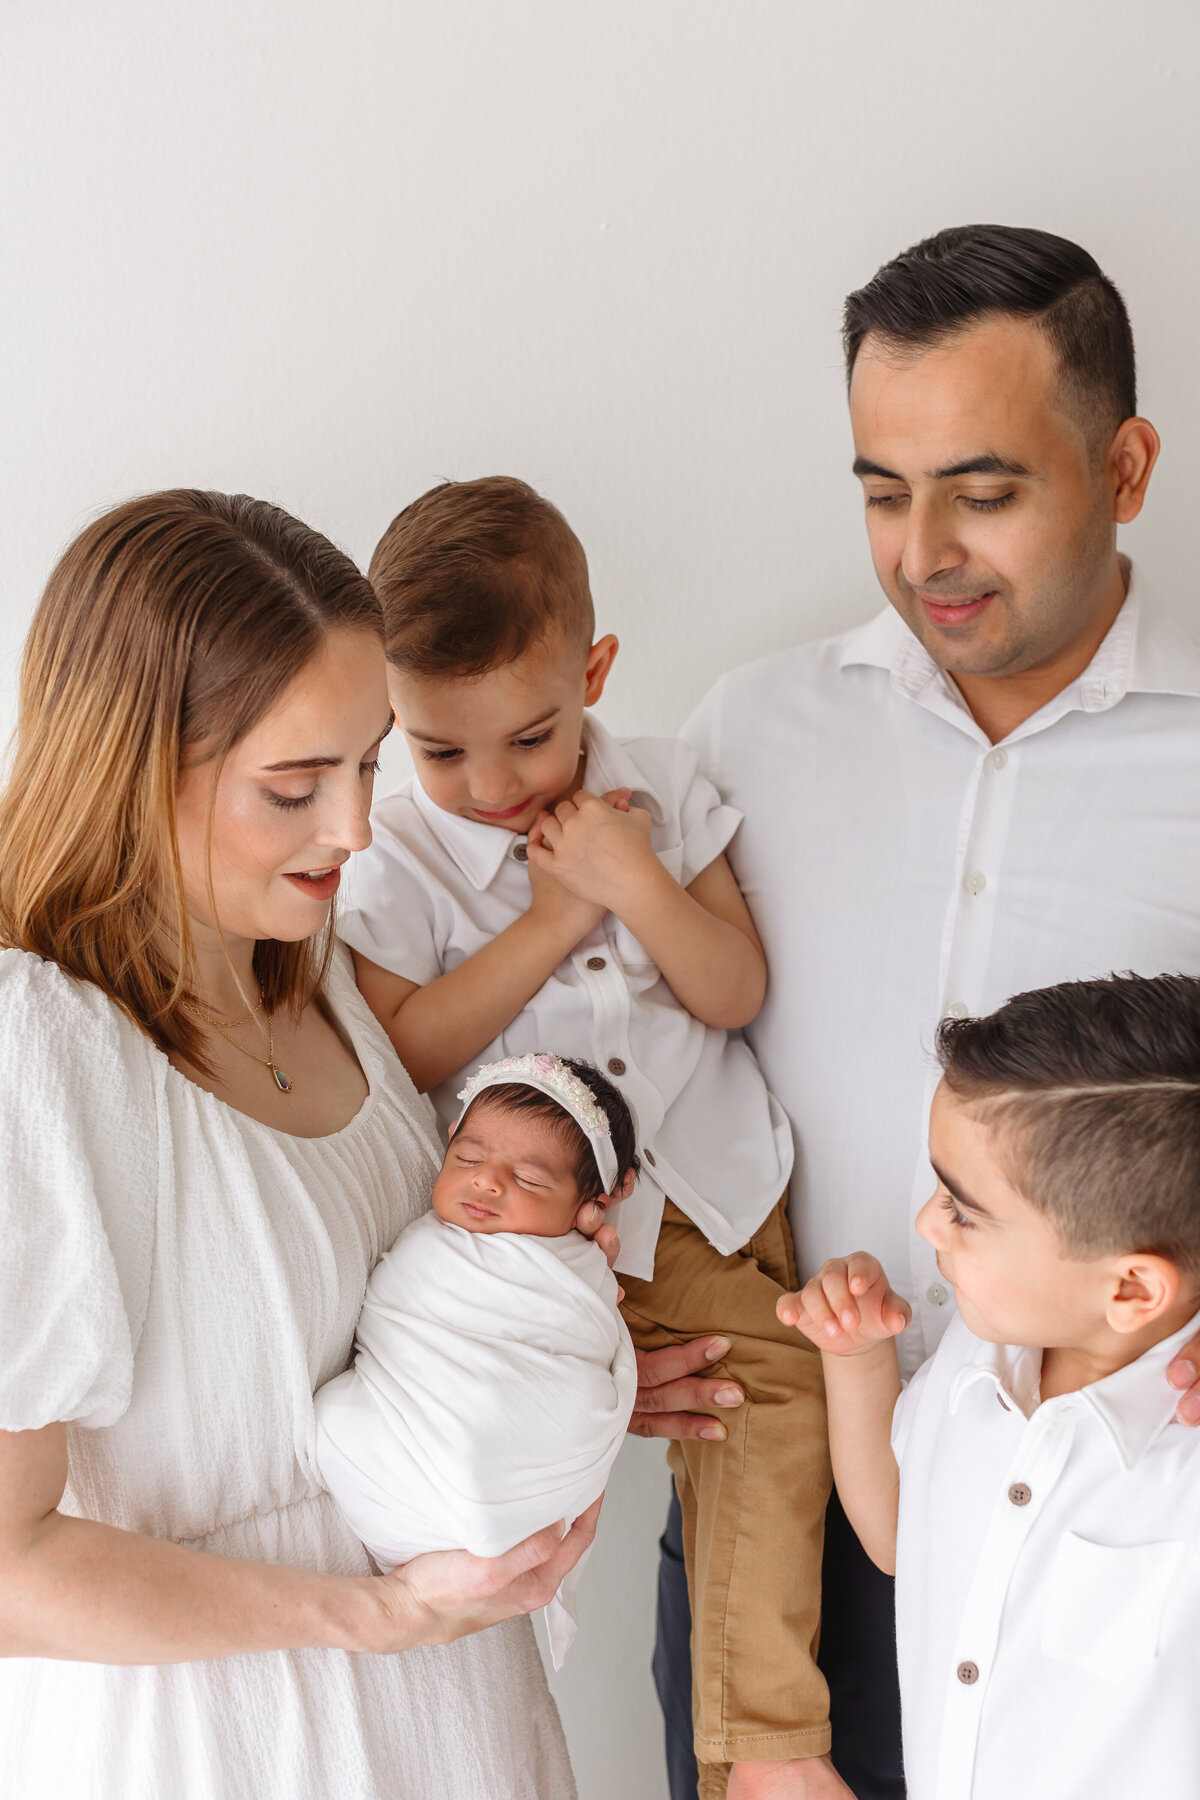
column 753, row 1506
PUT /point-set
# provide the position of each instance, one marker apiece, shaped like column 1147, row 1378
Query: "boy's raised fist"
column 846, row 1308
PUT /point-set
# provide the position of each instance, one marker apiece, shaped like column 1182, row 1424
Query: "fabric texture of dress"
column 177, row 1280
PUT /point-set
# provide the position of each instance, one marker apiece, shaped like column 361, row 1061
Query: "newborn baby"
column 493, row 1375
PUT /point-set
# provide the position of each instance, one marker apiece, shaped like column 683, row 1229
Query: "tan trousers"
column 753, row 1506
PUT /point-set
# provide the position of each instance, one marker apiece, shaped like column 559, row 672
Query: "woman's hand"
column 449, row 1593
column 671, row 1401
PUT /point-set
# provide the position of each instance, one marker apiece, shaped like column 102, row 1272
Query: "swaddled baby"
column 493, row 1375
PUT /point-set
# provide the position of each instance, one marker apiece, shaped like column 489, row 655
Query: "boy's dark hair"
column 515, row 1096
column 474, row 573
column 947, row 282
column 1096, row 1086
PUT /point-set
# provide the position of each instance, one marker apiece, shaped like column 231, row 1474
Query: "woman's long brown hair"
column 168, row 629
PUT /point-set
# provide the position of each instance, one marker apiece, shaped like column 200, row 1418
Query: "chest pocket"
column 1104, row 1604
column 634, row 958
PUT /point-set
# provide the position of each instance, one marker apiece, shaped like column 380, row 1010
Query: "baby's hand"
column 595, row 845
column 847, row 1308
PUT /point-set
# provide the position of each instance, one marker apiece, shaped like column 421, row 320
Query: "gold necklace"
column 224, row 1024
column 283, row 1082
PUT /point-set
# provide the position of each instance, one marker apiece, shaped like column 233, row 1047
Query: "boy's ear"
column 1146, row 1288
column 600, row 660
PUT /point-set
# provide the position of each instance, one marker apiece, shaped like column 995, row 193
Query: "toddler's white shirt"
column 1047, row 1580
column 434, row 888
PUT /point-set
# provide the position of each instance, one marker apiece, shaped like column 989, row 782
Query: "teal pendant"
column 281, row 1080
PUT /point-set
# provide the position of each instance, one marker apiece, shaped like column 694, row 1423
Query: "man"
column 993, row 786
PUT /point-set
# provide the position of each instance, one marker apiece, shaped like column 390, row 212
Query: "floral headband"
column 550, row 1075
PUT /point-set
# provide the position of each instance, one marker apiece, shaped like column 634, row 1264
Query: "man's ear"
column 1131, row 459
column 1145, row 1288
column 600, row 660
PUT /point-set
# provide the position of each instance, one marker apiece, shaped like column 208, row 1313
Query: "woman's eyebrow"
column 319, row 762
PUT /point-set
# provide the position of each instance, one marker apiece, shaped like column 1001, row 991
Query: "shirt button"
column 521, row 852
column 957, row 1010
column 968, row 1673
column 1019, row 1494
column 975, row 883
column 997, row 760
column 596, row 962
column 649, row 1156
column 615, row 1066
column 936, row 1295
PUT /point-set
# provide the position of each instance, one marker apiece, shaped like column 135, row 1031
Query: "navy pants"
column 857, row 1658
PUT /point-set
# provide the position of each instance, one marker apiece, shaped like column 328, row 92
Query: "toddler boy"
column 541, row 883
column 1031, row 1487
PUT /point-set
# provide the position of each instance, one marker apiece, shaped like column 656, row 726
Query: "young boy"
column 541, row 884
column 1031, row 1487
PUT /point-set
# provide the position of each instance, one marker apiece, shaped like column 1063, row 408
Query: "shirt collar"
column 479, row 850
column 1144, row 652
column 1135, row 1405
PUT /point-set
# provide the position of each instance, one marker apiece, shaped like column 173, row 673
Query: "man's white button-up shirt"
column 435, row 887
column 1047, row 1581
column 900, row 867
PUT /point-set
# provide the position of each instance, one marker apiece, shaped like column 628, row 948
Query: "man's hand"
column 797, row 1778
column 597, row 846
column 1184, row 1372
column 847, row 1307
column 672, row 1402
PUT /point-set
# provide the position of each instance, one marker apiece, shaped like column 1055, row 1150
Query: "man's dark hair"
column 515, row 1096
column 1093, row 1089
column 948, row 282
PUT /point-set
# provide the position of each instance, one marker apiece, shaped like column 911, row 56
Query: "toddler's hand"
column 553, row 904
column 595, row 845
column 847, row 1308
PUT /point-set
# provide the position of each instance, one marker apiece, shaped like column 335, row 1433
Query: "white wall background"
column 331, row 253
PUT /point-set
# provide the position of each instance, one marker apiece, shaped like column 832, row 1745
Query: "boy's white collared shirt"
column 435, row 887
column 899, row 867
column 1047, row 1580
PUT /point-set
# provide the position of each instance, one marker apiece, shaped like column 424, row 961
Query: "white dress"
column 176, row 1280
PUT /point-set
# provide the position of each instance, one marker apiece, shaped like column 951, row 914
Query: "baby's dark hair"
column 515, row 1096
column 1096, row 1088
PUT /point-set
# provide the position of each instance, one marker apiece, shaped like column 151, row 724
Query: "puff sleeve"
column 78, row 1188
column 706, row 823
column 391, row 911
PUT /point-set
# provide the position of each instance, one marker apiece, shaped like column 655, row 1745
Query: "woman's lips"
column 957, row 612
column 317, row 887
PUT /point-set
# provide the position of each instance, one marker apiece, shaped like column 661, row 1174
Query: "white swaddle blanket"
column 492, row 1383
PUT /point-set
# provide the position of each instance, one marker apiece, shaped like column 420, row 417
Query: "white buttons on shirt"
column 975, row 883
column 520, row 852
column 997, row 760
column 595, row 962
column 956, row 1010
column 968, row 1673
column 936, row 1294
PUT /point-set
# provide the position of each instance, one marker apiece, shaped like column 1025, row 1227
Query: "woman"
column 205, row 1143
